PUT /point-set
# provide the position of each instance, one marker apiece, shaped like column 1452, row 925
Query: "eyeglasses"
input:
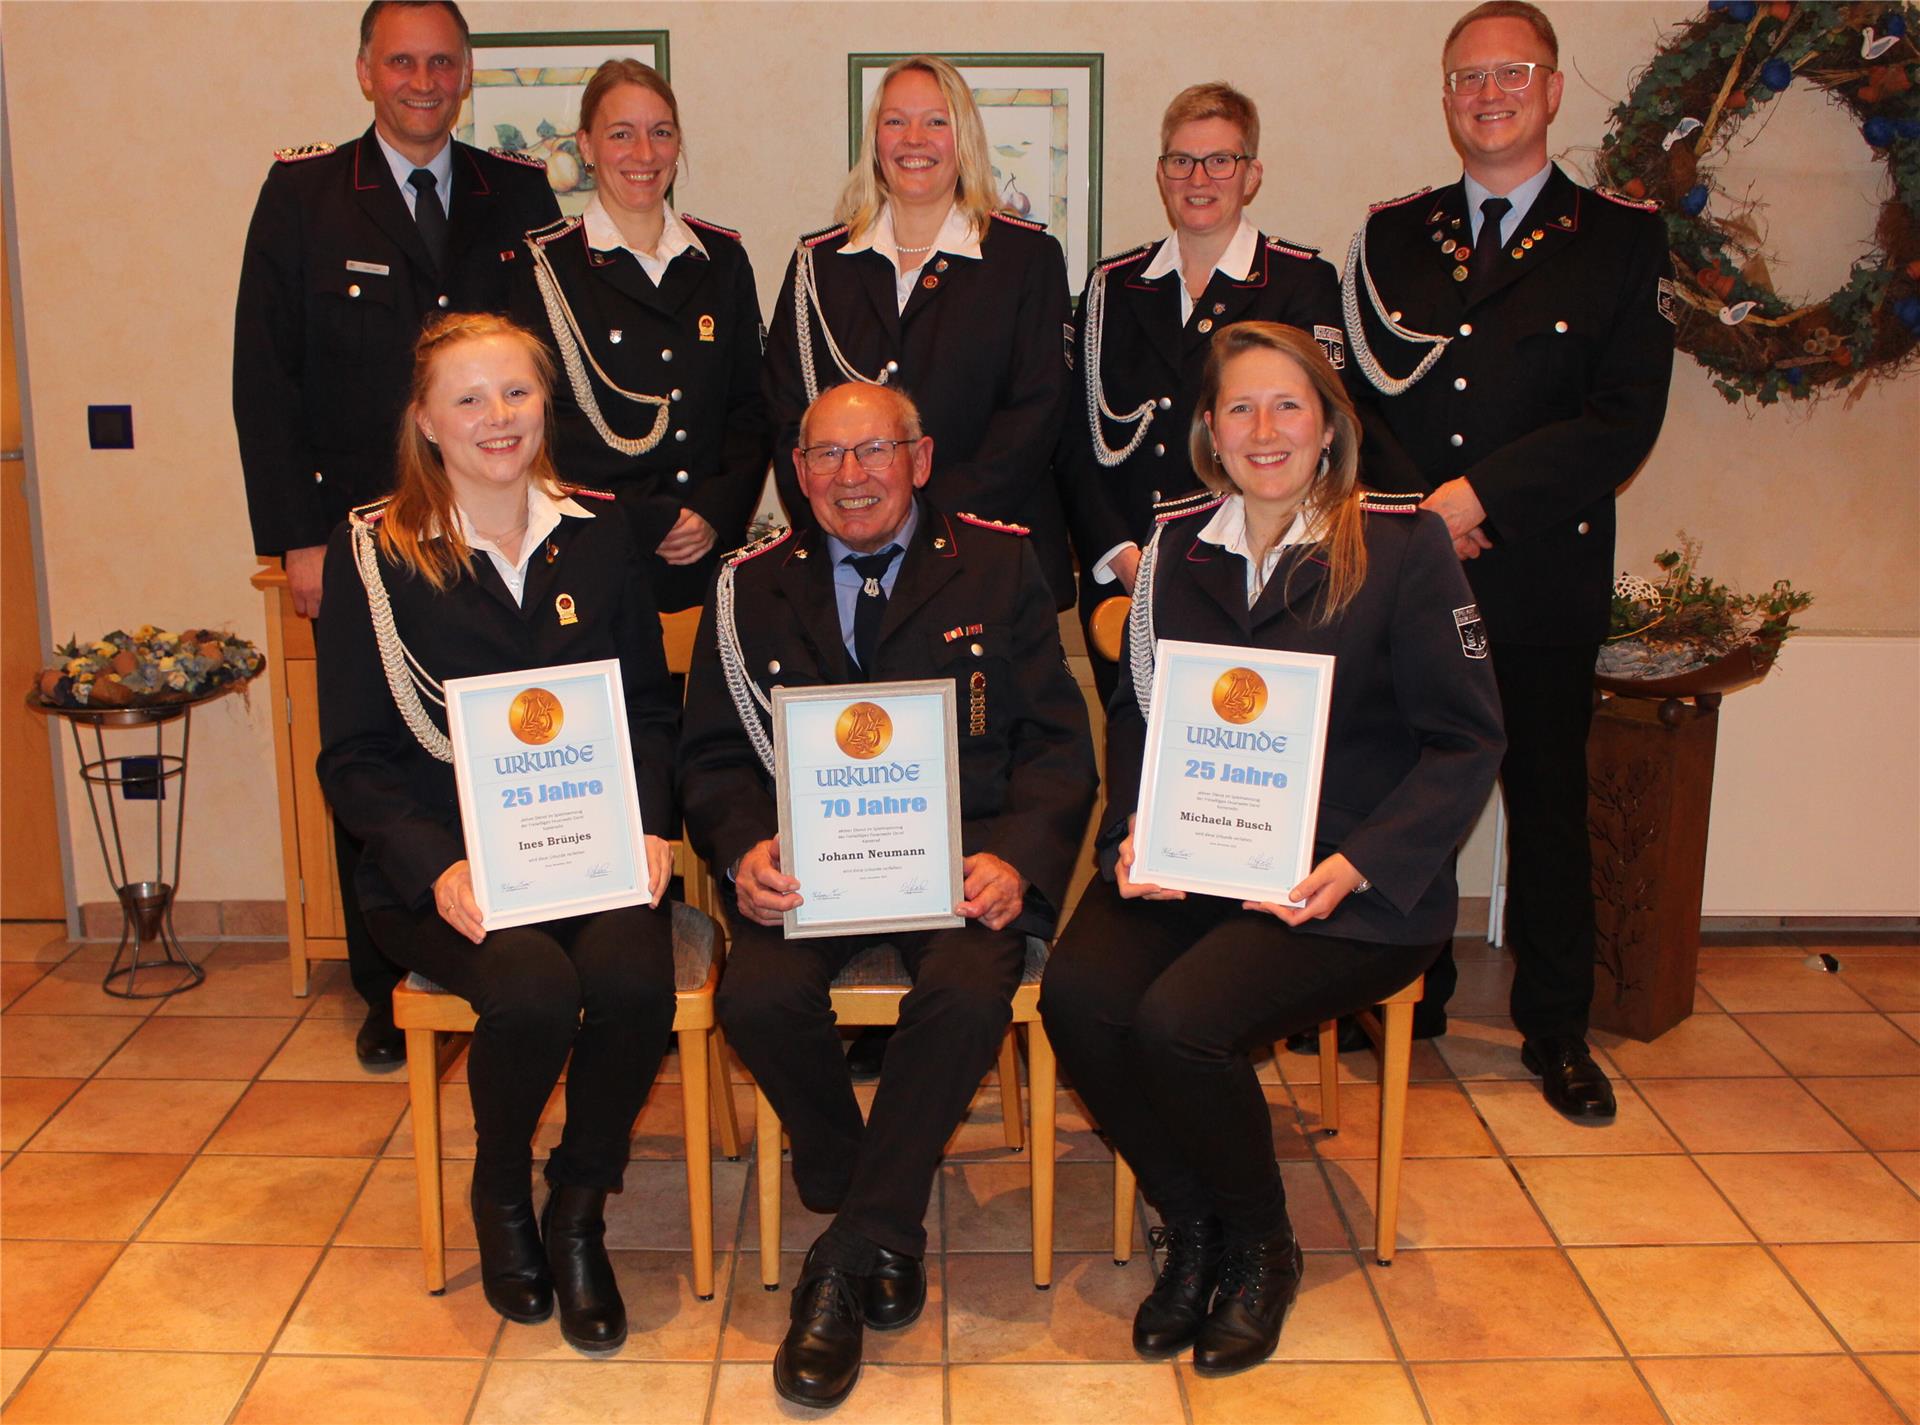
column 1217, row 165
column 872, row 455
column 1511, row 78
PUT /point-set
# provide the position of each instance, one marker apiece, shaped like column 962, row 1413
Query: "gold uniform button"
column 442, row 299
column 1394, row 316
column 1466, row 329
column 1560, row 326
column 1583, row 528
column 1459, row 383
column 354, row 290
column 318, row 478
column 674, row 394
column 680, row 477
column 681, row 436
column 976, row 650
column 893, row 368
column 1165, row 403
column 1159, row 450
column 1456, row 439
column 666, row 353
column 774, row 666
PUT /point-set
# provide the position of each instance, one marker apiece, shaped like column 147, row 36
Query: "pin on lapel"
column 706, row 327
column 553, row 551
column 563, row 605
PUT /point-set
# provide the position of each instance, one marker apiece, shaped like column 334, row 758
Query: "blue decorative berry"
column 1776, row 74
column 1878, row 131
column 1893, row 23
column 1741, row 10
column 1795, row 376
column 1907, row 309
column 1694, row 201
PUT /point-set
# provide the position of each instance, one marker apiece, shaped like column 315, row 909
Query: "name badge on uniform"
column 372, row 269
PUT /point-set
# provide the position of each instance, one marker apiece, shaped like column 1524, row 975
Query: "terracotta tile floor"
column 208, row 1216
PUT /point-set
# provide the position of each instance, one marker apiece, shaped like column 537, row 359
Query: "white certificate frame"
column 596, row 702
column 1187, row 679
column 923, row 699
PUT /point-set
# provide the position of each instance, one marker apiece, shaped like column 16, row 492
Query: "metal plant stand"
column 146, row 907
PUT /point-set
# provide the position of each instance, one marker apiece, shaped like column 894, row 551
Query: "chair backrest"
column 676, row 636
column 1108, row 626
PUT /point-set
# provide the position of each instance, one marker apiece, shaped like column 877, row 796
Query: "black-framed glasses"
column 874, row 454
column 1511, row 78
column 1217, row 165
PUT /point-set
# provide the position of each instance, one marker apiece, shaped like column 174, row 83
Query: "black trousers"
column 1154, row 1008
column 877, row 1176
column 1546, row 698
column 599, row 986
column 372, row 973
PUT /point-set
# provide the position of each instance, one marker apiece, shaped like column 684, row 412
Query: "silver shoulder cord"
column 1140, row 625
column 806, row 306
column 733, row 666
column 1356, row 333
column 1094, row 324
column 575, row 356
column 407, row 677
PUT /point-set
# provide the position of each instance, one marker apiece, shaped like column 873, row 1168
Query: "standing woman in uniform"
column 656, row 323
column 1145, row 324
column 1154, row 999
column 924, row 284
column 481, row 562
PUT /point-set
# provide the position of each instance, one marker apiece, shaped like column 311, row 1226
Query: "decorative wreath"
column 1717, row 71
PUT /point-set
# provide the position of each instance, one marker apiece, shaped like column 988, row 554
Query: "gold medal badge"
column 535, row 716
column 563, row 605
column 863, row 730
column 1239, row 695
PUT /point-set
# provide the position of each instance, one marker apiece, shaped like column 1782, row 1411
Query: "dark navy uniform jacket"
column 334, row 288
column 1547, row 399
column 980, row 348
column 1146, row 355
column 1413, row 737
column 696, row 333
column 387, row 789
column 969, row 604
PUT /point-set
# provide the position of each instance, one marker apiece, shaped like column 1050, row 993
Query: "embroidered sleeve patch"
column 1667, row 300
column 1333, row 341
column 1473, row 633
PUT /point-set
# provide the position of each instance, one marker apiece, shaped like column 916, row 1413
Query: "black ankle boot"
column 592, row 1315
column 1258, row 1282
column 513, row 1266
column 1170, row 1317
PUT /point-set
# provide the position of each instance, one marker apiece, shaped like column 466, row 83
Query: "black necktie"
column 1486, row 252
column 431, row 217
column 870, row 604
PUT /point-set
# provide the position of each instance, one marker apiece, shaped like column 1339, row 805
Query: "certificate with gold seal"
column 548, row 800
column 1230, row 781
column 868, row 783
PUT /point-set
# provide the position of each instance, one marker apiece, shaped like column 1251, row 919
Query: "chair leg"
column 1330, row 1076
column 1010, row 1087
column 423, row 1081
column 1397, row 1059
column 766, row 1138
column 1041, row 1081
column 693, row 1114
column 1124, row 1188
column 725, row 1120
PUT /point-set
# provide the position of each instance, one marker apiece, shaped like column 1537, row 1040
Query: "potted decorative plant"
column 1687, row 635
column 146, row 668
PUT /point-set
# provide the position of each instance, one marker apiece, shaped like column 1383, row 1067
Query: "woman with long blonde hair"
column 1155, row 999
column 927, row 282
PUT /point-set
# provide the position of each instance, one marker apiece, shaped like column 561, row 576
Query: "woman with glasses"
column 924, row 283
column 655, row 322
column 1155, row 999
column 1146, row 317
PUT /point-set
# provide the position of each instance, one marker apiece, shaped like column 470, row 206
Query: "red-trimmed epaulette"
column 1380, row 502
column 710, row 227
column 587, row 490
column 1196, row 502
column 982, row 522
column 372, row 512
column 1642, row 205
column 1275, row 244
column 1396, row 202
column 300, row 151
column 1121, row 259
column 825, row 235
column 519, row 156
column 1019, row 222
column 554, row 230
column 753, row 550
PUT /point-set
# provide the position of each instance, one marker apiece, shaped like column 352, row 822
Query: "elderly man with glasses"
column 1514, row 333
column 884, row 586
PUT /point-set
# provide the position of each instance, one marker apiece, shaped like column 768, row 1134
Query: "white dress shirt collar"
column 1235, row 263
column 956, row 238
column 440, row 166
column 1227, row 528
column 543, row 516
column 604, row 235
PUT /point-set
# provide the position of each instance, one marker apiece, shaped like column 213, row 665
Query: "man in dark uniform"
column 885, row 585
column 350, row 250
column 1515, row 333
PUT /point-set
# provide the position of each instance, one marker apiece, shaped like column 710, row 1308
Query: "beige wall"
column 141, row 133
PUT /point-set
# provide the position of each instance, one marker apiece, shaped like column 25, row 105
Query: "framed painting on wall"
column 526, row 96
column 1043, row 118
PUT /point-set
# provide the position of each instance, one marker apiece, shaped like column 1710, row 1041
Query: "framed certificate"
column 868, row 785
column 548, row 799
column 1230, row 782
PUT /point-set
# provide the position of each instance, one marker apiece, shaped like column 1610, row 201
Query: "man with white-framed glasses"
column 1515, row 335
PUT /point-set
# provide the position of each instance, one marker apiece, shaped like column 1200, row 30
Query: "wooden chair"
column 869, row 992
column 425, row 1011
column 1391, row 1029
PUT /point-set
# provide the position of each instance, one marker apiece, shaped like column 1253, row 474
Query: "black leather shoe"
column 895, row 1292
column 1258, row 1283
column 868, row 1051
column 593, row 1318
column 513, row 1266
column 819, row 1361
column 1572, row 1082
column 379, row 1045
column 1349, row 1037
column 1429, row 1020
column 1170, row 1317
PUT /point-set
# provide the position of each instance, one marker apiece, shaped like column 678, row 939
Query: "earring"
column 1326, row 460
column 432, row 439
